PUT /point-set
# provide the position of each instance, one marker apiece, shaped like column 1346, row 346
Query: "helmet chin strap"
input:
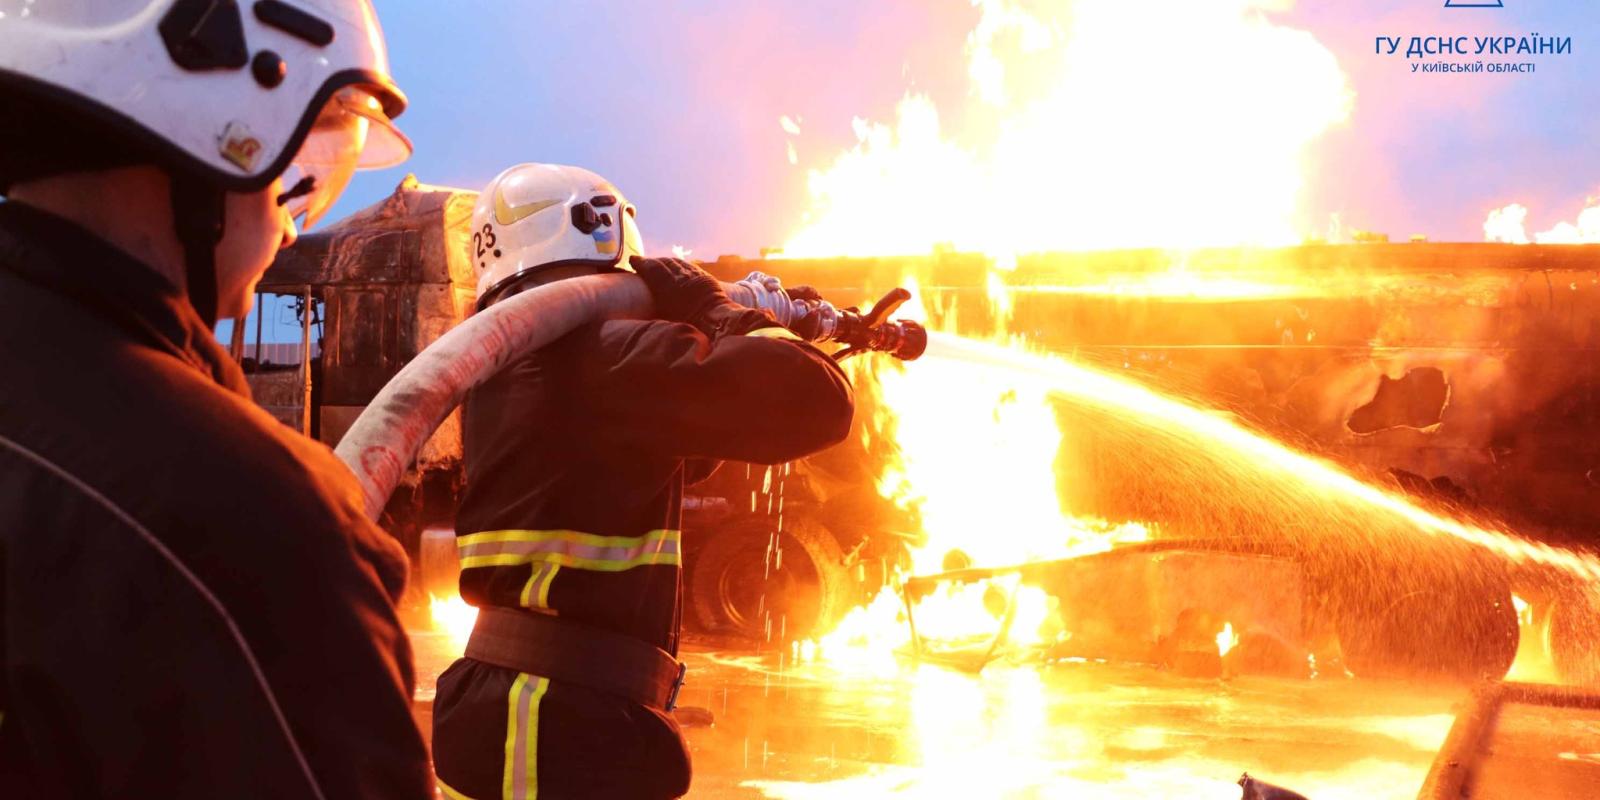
column 198, row 209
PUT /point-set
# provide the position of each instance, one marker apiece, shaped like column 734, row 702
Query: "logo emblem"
column 506, row 214
column 239, row 146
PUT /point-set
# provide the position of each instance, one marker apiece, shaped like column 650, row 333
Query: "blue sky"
column 1433, row 153
column 677, row 102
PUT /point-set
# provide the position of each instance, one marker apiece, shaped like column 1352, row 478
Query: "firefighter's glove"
column 810, row 326
column 803, row 292
column 800, row 308
column 683, row 292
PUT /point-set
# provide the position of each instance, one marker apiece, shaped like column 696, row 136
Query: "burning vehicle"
column 1121, row 522
column 1159, row 423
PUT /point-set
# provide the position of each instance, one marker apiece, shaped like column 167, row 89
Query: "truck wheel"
column 1573, row 637
column 1464, row 629
column 740, row 584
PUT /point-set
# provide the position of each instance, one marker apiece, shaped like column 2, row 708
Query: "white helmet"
column 231, row 96
column 223, row 100
column 535, row 216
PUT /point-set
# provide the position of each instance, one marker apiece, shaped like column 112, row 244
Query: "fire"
column 1181, row 284
column 1533, row 661
column 453, row 616
column 1215, row 449
column 985, row 492
column 1226, row 639
column 1092, row 128
column 1524, row 610
column 979, row 459
column 993, row 473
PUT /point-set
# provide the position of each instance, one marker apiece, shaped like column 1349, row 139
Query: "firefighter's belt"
column 572, row 652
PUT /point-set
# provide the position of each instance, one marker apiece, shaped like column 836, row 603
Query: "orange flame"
column 986, row 487
column 1226, row 639
column 1081, row 140
column 453, row 616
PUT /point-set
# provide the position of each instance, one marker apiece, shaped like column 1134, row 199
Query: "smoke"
column 1509, row 225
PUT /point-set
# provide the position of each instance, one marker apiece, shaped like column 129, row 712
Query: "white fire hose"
column 386, row 438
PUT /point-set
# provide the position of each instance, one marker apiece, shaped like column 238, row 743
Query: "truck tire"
column 1447, row 626
column 739, row 584
column 1572, row 635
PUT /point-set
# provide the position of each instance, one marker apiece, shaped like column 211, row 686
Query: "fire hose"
column 385, row 439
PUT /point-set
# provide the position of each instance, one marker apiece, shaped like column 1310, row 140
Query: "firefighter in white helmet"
column 535, row 218
column 194, row 606
column 576, row 460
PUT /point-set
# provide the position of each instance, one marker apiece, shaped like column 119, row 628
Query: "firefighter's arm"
column 668, row 388
column 711, row 379
column 252, row 650
column 344, row 670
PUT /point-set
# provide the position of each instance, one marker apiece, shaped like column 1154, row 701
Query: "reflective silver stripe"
column 199, row 586
column 521, row 776
column 536, row 592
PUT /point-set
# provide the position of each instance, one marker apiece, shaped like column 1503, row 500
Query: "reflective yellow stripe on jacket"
column 568, row 549
column 548, row 551
column 775, row 333
column 448, row 791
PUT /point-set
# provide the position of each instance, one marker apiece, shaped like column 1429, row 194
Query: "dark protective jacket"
column 577, row 456
column 191, row 602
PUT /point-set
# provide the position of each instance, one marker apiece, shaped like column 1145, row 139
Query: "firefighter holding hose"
column 576, row 460
column 194, row 605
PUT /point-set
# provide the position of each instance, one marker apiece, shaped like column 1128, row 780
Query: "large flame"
column 1099, row 123
column 984, row 489
column 1095, row 128
column 977, row 454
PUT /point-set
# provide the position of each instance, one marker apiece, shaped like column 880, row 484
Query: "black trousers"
column 498, row 733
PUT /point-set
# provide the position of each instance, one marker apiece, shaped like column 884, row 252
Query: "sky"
column 1434, row 153
column 677, row 102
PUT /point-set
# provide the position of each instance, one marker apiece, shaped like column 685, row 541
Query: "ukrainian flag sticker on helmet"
column 605, row 241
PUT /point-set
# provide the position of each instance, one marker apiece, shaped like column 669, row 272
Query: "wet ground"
column 887, row 728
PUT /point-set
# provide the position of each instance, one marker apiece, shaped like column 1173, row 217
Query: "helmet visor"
column 350, row 133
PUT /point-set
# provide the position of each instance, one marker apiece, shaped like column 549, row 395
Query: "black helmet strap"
column 198, row 210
